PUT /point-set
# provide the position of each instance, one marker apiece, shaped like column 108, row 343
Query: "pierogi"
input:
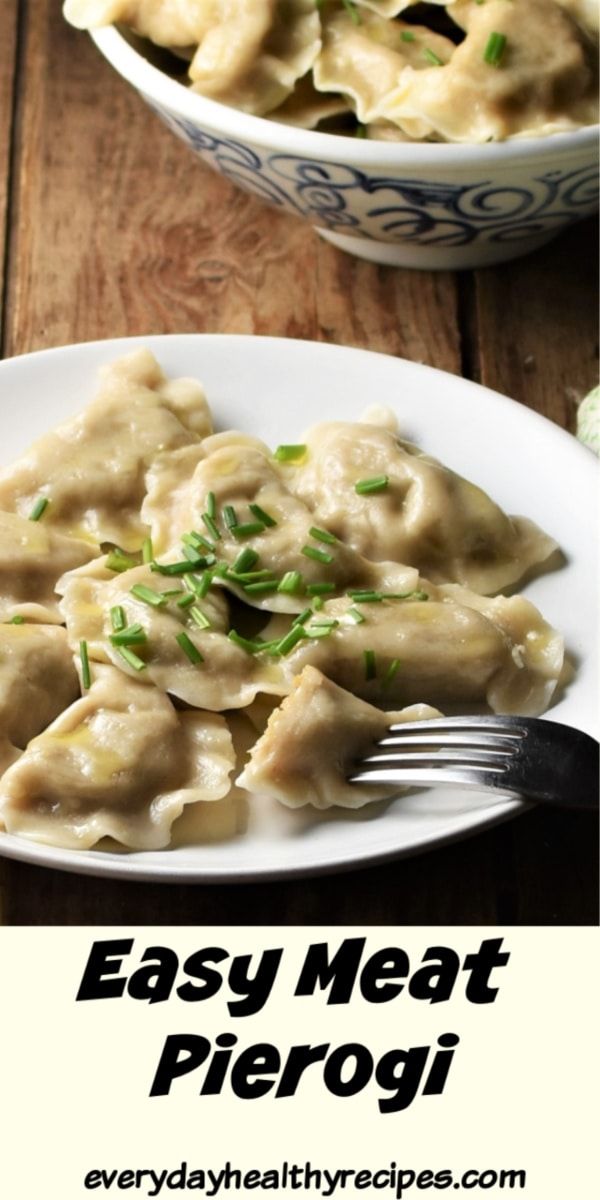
column 312, row 587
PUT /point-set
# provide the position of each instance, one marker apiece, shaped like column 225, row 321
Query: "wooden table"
column 112, row 228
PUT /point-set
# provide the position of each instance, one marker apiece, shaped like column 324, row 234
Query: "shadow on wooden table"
column 539, row 869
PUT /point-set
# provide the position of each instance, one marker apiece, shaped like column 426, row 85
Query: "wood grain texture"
column 8, row 67
column 115, row 229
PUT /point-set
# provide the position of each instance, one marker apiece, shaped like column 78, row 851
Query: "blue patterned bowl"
column 432, row 206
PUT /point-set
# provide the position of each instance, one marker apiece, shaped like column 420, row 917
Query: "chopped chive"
column 432, row 57
column 318, row 631
column 370, row 665
column 366, row 597
column 129, row 637
column 172, row 592
column 191, row 554
column 317, row 603
column 356, row 616
column 117, row 618
column 189, row 648
column 323, row 535
column 245, row 577
column 196, row 539
column 494, row 50
column 248, row 529
column 221, row 569
column 289, row 453
column 352, row 11
column 246, row 560
column 261, row 515
column 141, row 592
column 391, row 673
column 291, row 639
column 324, row 623
column 185, row 600
column 199, row 586
column 178, row 568
column 407, row 36
column 317, row 555
column 86, row 677
column 360, row 131
column 264, row 586
column 199, row 617
column 244, row 643
column 302, row 617
column 147, row 551
column 367, row 487
column 406, row 595
column 131, row 659
column 210, row 525
column 211, row 505
column 39, row 508
column 291, row 583
column 229, row 516
column 319, row 589
column 17, row 620
column 117, row 561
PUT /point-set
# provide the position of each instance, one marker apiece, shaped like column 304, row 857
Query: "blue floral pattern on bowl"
column 346, row 200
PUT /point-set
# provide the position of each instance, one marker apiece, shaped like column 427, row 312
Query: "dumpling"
column 455, row 648
column 306, row 107
column 91, row 469
column 237, row 473
column 210, row 671
column 37, row 680
column 313, row 740
column 426, row 516
column 542, row 80
column 32, row 558
column 364, row 59
column 121, row 762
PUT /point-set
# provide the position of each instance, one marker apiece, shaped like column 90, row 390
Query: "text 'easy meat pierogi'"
column 172, row 598
column 460, row 71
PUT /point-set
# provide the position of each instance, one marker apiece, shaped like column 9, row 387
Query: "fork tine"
column 499, row 758
column 508, row 726
column 442, row 739
column 470, row 777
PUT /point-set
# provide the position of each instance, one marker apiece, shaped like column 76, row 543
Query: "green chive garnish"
column 17, row 620
column 360, row 131
column 147, row 551
column 494, row 50
column 322, row 535
column 367, row 487
column 317, row 631
column 406, row 595
column 141, row 592
column 196, row 539
column 320, row 589
column 181, row 567
column 173, row 592
column 317, row 602
column 134, row 636
column 302, row 617
column 189, row 648
column 210, row 525
column 131, row 659
column 249, row 529
column 117, row 561
column 229, row 516
column 317, row 555
column 86, row 677
column 199, row 617
column 117, row 618
column 352, row 11
column 291, row 639
column 407, row 36
column 291, row 583
column 244, row 643
column 324, row 623
column 211, row 505
column 432, row 57
column 245, row 577
column 261, row 515
column 370, row 665
column 39, row 508
column 366, row 597
column 185, row 600
column 356, row 616
column 391, row 672
column 291, row 453
column 246, row 560
column 264, row 586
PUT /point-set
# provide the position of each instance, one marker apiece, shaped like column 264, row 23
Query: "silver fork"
column 533, row 759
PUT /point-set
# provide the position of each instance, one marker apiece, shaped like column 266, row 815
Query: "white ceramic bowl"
column 433, row 206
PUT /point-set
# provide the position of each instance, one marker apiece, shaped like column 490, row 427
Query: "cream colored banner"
column 492, row 1096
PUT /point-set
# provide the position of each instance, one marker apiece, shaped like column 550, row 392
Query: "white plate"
column 276, row 388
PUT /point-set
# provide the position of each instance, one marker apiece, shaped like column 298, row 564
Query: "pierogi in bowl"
column 172, row 598
column 429, row 135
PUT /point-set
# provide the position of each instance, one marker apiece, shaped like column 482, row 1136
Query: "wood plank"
column 537, row 323
column 8, row 62
column 122, row 231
